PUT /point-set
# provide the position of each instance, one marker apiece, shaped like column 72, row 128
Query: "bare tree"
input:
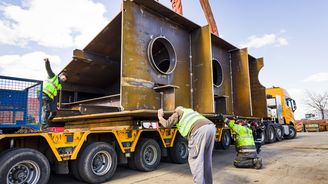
column 318, row 102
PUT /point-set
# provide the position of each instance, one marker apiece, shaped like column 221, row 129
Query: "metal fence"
column 20, row 102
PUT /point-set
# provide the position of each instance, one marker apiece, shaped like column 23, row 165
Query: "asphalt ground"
column 297, row 161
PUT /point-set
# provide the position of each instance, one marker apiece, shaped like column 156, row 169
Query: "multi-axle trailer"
column 146, row 58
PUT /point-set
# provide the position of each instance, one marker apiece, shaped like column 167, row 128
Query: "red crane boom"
column 177, row 7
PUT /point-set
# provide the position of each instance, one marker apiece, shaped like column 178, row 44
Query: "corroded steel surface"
column 140, row 26
column 241, row 83
column 211, row 75
column 222, row 92
column 202, row 71
column 259, row 103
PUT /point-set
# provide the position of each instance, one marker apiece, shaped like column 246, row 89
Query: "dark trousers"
column 245, row 160
column 49, row 109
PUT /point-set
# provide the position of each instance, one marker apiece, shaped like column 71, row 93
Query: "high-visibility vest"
column 244, row 135
column 188, row 118
column 51, row 87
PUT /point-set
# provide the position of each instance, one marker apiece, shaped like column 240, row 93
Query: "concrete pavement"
column 301, row 160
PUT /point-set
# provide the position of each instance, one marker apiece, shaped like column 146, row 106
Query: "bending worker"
column 245, row 146
column 51, row 88
column 200, row 133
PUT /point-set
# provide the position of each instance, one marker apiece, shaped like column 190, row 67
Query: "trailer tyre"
column 271, row 137
column 147, row 155
column 225, row 140
column 292, row 132
column 131, row 163
column 262, row 139
column 97, row 163
column 73, row 169
column 73, row 165
column 24, row 165
column 279, row 133
column 179, row 152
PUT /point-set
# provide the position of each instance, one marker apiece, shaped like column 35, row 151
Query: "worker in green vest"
column 51, row 87
column 245, row 146
column 200, row 133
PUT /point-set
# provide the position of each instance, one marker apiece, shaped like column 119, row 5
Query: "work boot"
column 258, row 163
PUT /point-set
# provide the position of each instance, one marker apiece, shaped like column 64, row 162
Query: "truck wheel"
column 97, row 163
column 279, row 133
column 270, row 134
column 225, row 140
column 24, row 165
column 73, row 165
column 147, row 155
column 131, row 163
column 262, row 139
column 292, row 132
column 73, row 169
column 179, row 152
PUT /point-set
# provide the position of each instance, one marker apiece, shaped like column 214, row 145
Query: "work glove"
column 160, row 113
column 223, row 119
column 220, row 118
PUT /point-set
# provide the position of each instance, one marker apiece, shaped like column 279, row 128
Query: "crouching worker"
column 245, row 146
column 200, row 133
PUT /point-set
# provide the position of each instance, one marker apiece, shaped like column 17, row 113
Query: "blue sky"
column 290, row 35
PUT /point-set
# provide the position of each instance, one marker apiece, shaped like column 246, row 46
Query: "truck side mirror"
column 294, row 107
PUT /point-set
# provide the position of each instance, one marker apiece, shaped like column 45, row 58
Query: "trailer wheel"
column 73, row 165
column 262, row 139
column 131, row 163
column 279, row 133
column 24, row 165
column 292, row 132
column 270, row 134
column 225, row 140
column 97, row 163
column 147, row 155
column 179, row 152
column 73, row 169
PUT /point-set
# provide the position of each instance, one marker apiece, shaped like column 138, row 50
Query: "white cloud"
column 265, row 40
column 30, row 65
column 50, row 23
column 282, row 41
column 318, row 77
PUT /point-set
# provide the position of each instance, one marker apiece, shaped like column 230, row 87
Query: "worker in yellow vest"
column 245, row 146
column 200, row 133
column 51, row 87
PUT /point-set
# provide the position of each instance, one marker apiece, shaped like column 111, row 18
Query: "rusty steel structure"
column 149, row 57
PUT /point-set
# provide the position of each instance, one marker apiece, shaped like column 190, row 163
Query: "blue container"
column 20, row 103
